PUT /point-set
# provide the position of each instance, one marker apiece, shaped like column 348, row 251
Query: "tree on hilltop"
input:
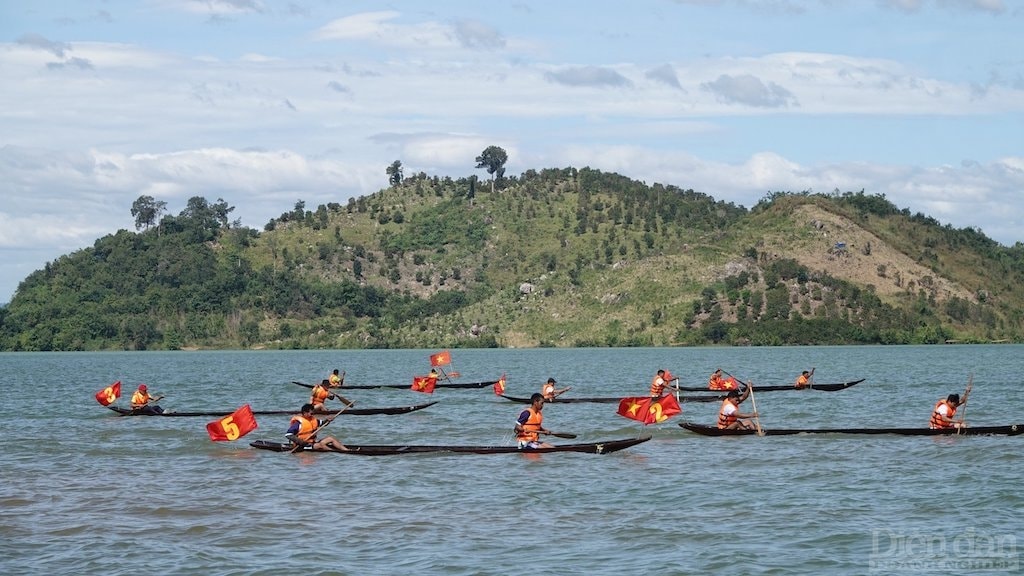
column 146, row 210
column 394, row 172
column 493, row 158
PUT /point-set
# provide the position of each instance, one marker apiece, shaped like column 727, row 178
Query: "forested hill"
column 559, row 257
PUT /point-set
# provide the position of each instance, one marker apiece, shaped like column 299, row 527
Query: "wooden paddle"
column 753, row 404
column 967, row 391
column 447, row 376
column 810, row 379
column 560, row 434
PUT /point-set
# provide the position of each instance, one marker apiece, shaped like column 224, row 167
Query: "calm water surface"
column 84, row 491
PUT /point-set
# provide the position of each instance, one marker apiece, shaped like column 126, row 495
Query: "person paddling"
column 659, row 383
column 321, row 393
column 549, row 392
column 804, row 379
column 716, row 382
column 942, row 414
column 336, row 380
column 529, row 425
column 729, row 416
column 141, row 401
column 303, row 428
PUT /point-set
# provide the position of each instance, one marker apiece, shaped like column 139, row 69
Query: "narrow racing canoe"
column 604, row 447
column 608, row 400
column 1009, row 430
column 440, row 384
column 349, row 412
column 781, row 387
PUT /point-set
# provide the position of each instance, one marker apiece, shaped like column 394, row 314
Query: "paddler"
column 729, row 415
column 321, row 393
column 141, row 401
column 942, row 414
column 548, row 389
column 659, row 383
column 529, row 425
column 804, row 379
column 302, row 431
column 336, row 380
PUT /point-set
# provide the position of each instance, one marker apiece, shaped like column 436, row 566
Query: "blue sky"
column 265, row 103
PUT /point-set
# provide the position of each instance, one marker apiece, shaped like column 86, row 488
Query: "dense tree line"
column 411, row 266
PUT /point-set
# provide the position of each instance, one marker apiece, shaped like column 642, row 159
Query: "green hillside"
column 560, row 257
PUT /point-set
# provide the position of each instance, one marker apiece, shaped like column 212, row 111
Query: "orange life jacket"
column 335, row 380
column 140, row 399
column 937, row 421
column 548, row 391
column 319, row 395
column 802, row 381
column 532, row 425
column 657, row 386
column 725, row 420
column 716, row 383
column 307, row 428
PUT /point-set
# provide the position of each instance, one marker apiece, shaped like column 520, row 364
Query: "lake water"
column 87, row 492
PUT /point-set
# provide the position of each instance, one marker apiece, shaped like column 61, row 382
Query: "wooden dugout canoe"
column 609, row 399
column 603, row 447
column 440, row 384
column 212, row 413
column 832, row 387
column 1008, row 430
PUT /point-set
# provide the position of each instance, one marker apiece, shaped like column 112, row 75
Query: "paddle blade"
column 563, row 435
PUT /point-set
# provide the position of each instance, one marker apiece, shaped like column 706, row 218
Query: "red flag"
column 731, row 384
column 424, row 384
column 107, row 396
column 649, row 410
column 233, row 426
column 499, row 386
column 441, row 359
column 665, row 407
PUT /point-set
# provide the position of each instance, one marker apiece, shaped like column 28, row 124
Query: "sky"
column 264, row 103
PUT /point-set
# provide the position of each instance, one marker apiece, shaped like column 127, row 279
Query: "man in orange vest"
column 302, row 432
column 729, row 415
column 942, row 414
column 530, row 424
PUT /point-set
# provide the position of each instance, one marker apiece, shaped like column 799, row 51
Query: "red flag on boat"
column 649, row 410
column 233, row 426
column 731, row 384
column 107, row 396
column 667, row 407
column 441, row 359
column 424, row 384
column 499, row 386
